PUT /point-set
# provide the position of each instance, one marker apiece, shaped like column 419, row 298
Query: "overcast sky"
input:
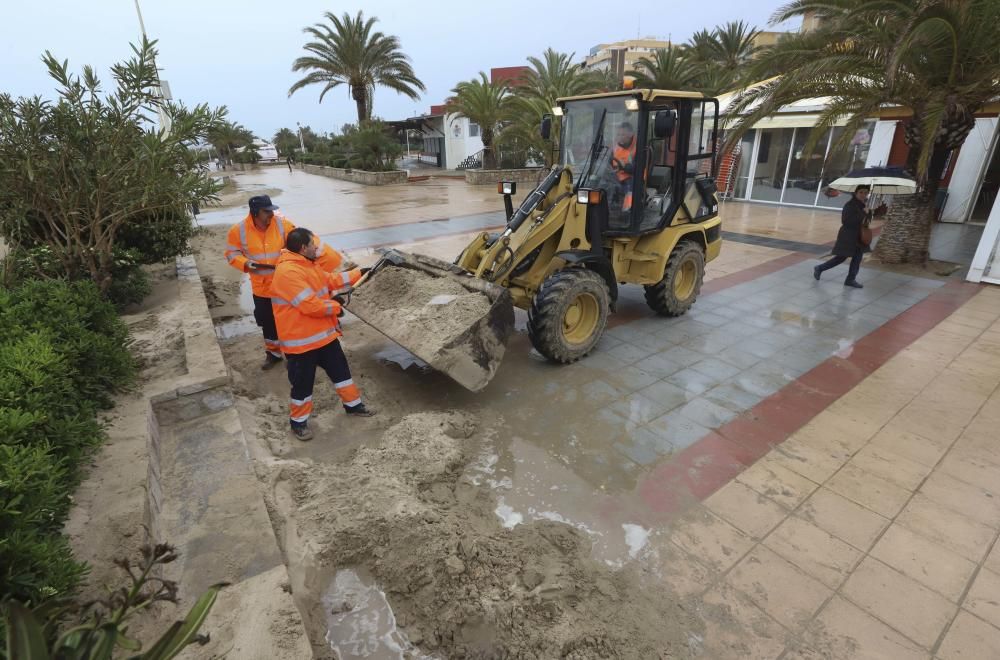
column 239, row 53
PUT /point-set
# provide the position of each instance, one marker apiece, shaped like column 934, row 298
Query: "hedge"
column 62, row 356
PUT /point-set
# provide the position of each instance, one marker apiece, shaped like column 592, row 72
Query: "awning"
column 789, row 121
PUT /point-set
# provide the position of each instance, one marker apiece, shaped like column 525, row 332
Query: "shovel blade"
column 457, row 324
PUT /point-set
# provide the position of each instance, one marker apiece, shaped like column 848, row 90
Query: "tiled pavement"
column 823, row 464
column 872, row 530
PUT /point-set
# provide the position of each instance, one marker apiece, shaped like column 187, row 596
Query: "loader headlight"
column 557, row 110
column 632, row 104
column 589, row 196
column 507, row 188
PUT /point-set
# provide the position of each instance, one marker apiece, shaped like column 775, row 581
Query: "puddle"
column 530, row 484
column 238, row 327
column 395, row 354
column 360, row 622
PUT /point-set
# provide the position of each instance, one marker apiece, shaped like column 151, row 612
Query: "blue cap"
column 261, row 203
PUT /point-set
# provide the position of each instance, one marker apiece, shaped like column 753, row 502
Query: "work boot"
column 302, row 433
column 359, row 410
column 854, row 284
column 816, row 273
column 270, row 361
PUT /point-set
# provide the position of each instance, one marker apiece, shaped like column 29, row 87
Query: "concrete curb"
column 204, row 498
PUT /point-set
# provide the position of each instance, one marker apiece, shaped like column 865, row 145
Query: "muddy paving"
column 472, row 525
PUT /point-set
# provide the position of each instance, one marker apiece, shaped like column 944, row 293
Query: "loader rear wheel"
column 682, row 278
column 569, row 314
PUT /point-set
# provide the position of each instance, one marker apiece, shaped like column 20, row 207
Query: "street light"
column 302, row 144
column 162, row 89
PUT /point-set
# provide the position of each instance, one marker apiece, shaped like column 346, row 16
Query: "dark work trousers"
column 302, row 376
column 264, row 315
column 852, row 270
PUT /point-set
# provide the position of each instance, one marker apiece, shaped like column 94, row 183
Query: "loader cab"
column 650, row 152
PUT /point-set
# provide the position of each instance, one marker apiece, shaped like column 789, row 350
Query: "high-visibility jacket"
column 625, row 156
column 300, row 295
column 247, row 243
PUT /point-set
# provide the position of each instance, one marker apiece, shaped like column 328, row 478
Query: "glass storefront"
column 773, row 165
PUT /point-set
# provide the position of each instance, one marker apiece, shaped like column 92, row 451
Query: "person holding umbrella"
column 849, row 244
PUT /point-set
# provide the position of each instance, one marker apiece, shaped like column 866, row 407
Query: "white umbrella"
column 882, row 180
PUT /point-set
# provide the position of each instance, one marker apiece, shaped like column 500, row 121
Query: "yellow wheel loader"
column 630, row 200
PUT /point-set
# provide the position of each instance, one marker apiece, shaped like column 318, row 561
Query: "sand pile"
column 460, row 584
column 456, row 331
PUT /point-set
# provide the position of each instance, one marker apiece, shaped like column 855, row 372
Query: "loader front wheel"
column 681, row 283
column 569, row 314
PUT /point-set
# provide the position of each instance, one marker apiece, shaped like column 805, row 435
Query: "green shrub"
column 84, row 328
column 158, row 236
column 34, row 497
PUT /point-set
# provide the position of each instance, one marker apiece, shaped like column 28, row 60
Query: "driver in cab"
column 623, row 162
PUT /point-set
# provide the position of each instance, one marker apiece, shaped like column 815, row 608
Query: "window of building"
column 473, row 130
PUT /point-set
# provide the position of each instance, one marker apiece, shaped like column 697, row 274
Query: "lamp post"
column 302, row 144
column 162, row 90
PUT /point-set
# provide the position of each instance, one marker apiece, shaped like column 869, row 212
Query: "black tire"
column 687, row 262
column 551, row 325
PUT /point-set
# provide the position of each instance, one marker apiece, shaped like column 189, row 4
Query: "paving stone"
column 716, row 368
column 770, row 478
column 711, row 539
column 923, row 560
column 815, row 551
column 970, row 637
column 706, row 413
column 667, row 394
column 781, row 589
column 678, row 429
column 733, row 396
column 956, row 532
column 842, row 630
column 746, row 509
column 692, row 382
column 901, row 602
column 682, row 356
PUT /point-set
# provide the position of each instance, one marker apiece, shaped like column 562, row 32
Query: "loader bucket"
column 457, row 324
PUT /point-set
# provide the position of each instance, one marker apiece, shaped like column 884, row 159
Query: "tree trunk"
column 906, row 235
column 489, row 156
column 361, row 102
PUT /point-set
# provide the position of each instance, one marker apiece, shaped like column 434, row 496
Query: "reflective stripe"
column 329, row 332
column 243, row 236
column 330, row 308
column 322, row 292
column 303, row 418
column 231, row 257
column 344, row 383
column 279, row 301
column 299, row 402
column 281, row 227
column 303, row 294
column 351, row 404
column 265, row 255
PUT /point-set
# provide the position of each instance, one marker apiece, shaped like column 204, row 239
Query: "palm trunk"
column 489, row 156
column 906, row 235
column 361, row 102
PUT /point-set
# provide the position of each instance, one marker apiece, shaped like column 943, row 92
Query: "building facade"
column 612, row 56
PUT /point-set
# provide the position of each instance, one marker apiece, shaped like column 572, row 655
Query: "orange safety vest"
column 625, row 156
column 300, row 296
column 247, row 243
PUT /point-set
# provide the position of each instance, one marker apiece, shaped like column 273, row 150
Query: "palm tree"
column 733, row 44
column 226, row 136
column 347, row 51
column 552, row 76
column 938, row 58
column 485, row 103
column 667, row 69
column 286, row 141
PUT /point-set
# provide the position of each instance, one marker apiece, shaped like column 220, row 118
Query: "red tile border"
column 705, row 466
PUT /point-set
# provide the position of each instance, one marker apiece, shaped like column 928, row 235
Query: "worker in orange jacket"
column 253, row 246
column 308, row 322
column 623, row 162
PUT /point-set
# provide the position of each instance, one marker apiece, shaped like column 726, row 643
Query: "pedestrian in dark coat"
column 849, row 245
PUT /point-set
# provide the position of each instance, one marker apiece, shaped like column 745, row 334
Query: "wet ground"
column 611, row 445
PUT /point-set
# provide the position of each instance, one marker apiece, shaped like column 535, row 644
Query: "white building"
column 770, row 166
